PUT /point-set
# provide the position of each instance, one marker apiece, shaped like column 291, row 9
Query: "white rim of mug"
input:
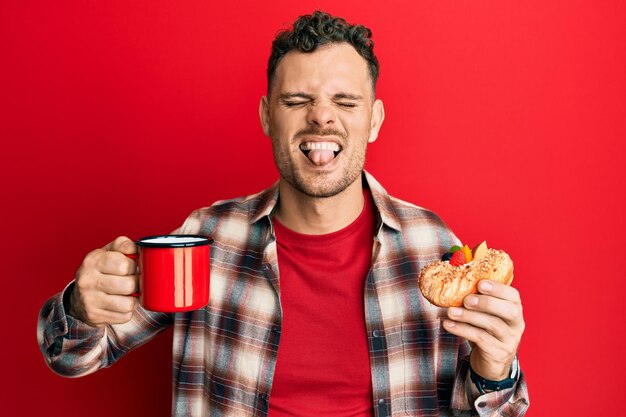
column 201, row 241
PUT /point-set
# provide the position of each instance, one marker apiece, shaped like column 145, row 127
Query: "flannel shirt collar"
column 267, row 200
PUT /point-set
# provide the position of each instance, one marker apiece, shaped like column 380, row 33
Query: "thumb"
column 122, row 244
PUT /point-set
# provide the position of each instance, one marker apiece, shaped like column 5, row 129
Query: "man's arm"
column 73, row 348
column 96, row 320
column 492, row 321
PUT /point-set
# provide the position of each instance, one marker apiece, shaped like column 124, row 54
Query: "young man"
column 314, row 306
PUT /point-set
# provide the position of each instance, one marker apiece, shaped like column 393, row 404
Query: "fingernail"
column 485, row 286
column 449, row 323
column 455, row 311
column 471, row 300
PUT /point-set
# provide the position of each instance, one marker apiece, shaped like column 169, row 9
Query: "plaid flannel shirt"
column 224, row 355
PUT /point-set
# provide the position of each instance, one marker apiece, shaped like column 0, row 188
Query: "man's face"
column 321, row 115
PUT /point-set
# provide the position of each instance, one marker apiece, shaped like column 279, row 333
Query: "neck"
column 315, row 216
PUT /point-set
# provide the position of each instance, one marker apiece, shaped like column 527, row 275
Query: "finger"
column 499, row 290
column 485, row 322
column 484, row 340
column 508, row 311
column 122, row 304
column 102, row 317
column 118, row 285
column 115, row 263
column 122, row 244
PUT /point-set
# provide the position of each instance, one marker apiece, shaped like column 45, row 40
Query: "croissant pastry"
column 445, row 283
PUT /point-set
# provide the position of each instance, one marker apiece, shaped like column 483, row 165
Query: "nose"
column 321, row 115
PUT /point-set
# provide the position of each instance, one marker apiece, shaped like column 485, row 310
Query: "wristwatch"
column 486, row 385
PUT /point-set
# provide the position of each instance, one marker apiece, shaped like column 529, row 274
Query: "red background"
column 506, row 118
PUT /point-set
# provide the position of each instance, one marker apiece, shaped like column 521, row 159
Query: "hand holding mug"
column 173, row 277
column 105, row 284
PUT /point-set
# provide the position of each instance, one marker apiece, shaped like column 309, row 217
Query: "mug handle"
column 134, row 257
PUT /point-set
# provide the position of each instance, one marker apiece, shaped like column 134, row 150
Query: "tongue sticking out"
column 321, row 156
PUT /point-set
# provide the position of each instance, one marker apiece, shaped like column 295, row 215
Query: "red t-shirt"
column 323, row 366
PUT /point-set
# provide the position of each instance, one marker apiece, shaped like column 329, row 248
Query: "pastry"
column 446, row 282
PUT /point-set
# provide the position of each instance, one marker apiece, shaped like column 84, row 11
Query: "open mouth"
column 320, row 153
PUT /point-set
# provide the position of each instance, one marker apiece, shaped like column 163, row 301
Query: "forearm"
column 72, row 348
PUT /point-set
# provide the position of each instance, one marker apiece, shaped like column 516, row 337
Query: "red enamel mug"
column 173, row 272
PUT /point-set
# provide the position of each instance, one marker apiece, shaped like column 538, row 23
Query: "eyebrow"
column 348, row 96
column 287, row 96
column 338, row 96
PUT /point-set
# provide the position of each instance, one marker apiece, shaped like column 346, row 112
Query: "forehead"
column 329, row 69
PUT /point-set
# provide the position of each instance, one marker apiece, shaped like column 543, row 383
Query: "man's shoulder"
column 242, row 204
column 407, row 211
column 416, row 219
column 422, row 228
column 243, row 210
column 399, row 213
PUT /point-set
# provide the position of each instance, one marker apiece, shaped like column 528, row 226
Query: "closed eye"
column 294, row 99
column 294, row 103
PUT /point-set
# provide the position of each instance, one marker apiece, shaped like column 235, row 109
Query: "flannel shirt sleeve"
column 72, row 348
column 467, row 400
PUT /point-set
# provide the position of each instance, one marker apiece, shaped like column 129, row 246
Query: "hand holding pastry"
column 490, row 313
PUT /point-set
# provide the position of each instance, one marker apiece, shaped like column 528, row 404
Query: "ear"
column 378, row 115
column 264, row 115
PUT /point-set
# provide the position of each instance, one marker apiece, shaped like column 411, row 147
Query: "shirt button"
column 377, row 333
column 267, row 267
column 482, row 404
column 381, row 401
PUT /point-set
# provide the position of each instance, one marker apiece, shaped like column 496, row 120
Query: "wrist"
column 485, row 385
column 491, row 370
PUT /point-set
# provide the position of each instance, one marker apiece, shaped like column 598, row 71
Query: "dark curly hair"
column 312, row 31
